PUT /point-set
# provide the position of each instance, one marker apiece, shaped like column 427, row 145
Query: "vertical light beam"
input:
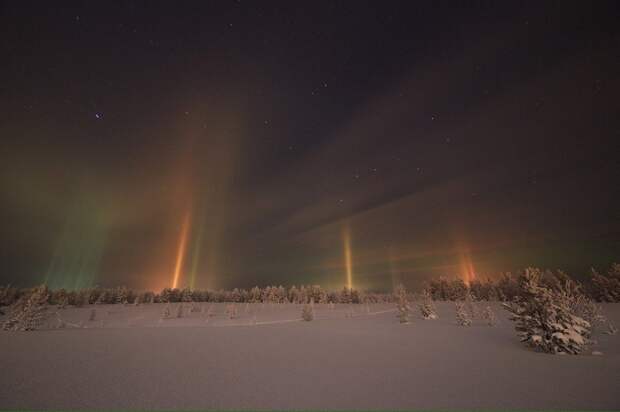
column 196, row 255
column 347, row 257
column 181, row 251
column 468, row 273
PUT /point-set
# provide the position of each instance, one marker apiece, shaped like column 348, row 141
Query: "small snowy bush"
column 489, row 316
column 165, row 314
column 402, row 304
column 231, row 310
column 427, row 308
column 470, row 305
column 462, row 317
column 307, row 313
column 180, row 310
column 544, row 319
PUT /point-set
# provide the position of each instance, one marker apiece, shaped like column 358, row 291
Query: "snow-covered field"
column 267, row 358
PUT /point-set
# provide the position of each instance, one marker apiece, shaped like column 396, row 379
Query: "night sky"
column 241, row 143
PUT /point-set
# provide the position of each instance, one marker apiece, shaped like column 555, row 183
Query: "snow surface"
column 130, row 359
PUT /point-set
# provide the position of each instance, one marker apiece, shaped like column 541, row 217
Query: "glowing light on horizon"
column 181, row 251
column 347, row 257
column 196, row 256
column 466, row 267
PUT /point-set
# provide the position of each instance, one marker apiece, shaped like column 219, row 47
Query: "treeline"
column 270, row 294
column 599, row 287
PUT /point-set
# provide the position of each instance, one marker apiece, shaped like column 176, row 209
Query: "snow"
column 129, row 358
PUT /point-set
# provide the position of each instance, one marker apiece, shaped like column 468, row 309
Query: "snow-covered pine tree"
column 231, row 310
column 611, row 329
column 307, row 313
column 122, row 295
column 402, row 304
column 254, row 295
column 102, row 298
column 543, row 317
column 462, row 317
column 427, row 308
column 29, row 311
column 470, row 305
column 166, row 313
column 83, row 297
column 606, row 288
column 186, row 295
column 211, row 311
column 489, row 316
column 59, row 298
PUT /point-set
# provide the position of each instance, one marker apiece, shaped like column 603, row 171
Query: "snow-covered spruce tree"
column 166, row 313
column 210, row 311
column 231, row 310
column 307, row 313
column 462, row 317
column 606, row 288
column 102, row 298
column 83, row 297
column 186, row 295
column 402, row 304
column 489, row 316
column 585, row 307
column 59, row 298
column 427, row 308
column 29, row 311
column 507, row 287
column 543, row 317
column 121, row 295
column 470, row 305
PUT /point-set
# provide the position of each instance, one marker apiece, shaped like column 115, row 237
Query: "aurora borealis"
column 233, row 144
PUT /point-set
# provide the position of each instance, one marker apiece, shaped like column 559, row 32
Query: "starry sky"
column 241, row 143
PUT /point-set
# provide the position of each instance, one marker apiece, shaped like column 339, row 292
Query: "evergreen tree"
column 462, row 317
column 29, row 311
column 166, row 313
column 606, row 288
column 543, row 317
column 489, row 316
column 471, row 306
column 427, row 308
column 307, row 313
column 231, row 310
column 122, row 295
column 402, row 304
column 186, row 295
column 255, row 294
